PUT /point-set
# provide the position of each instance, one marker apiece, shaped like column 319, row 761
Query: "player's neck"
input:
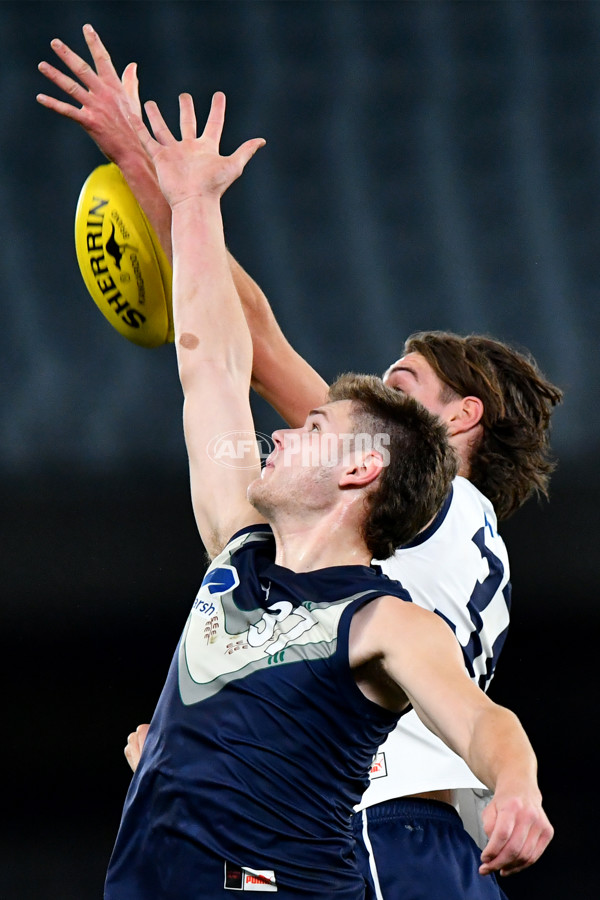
column 463, row 449
column 466, row 445
column 333, row 540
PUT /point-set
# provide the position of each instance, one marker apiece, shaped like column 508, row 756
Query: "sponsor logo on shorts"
column 243, row 878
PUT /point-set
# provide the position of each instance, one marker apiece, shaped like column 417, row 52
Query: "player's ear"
column 363, row 469
column 467, row 414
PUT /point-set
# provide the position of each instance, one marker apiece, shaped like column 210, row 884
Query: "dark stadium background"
column 428, row 165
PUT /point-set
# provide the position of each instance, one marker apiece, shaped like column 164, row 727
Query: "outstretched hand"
column 518, row 832
column 192, row 167
column 107, row 102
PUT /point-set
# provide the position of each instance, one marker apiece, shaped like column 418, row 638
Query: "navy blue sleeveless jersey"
column 261, row 742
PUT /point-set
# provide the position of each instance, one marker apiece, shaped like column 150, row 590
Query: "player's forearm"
column 207, row 315
column 279, row 374
column 139, row 173
column 499, row 751
column 517, row 826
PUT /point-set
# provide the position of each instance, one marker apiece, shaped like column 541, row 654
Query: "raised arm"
column 417, row 653
column 214, row 349
column 107, row 104
column 279, row 374
column 107, row 107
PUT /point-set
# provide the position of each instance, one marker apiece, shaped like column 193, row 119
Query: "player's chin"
column 254, row 490
column 259, row 495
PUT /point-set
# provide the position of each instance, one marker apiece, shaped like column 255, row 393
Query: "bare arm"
column 404, row 653
column 279, row 374
column 214, row 349
column 106, row 110
column 107, row 105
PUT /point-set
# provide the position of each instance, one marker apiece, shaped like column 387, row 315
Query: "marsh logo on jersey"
column 242, row 878
column 216, row 582
column 378, row 767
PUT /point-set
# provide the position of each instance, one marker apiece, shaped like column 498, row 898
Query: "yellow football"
column 120, row 258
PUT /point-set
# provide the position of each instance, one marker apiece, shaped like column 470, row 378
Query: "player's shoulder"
column 449, row 543
column 467, row 499
column 466, row 509
column 242, row 562
column 251, row 538
column 250, row 533
column 388, row 611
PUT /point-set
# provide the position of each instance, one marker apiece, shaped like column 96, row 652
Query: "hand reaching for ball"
column 192, row 167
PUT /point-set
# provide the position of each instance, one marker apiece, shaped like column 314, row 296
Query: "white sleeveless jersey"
column 458, row 568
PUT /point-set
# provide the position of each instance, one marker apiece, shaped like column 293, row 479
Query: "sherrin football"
column 122, row 263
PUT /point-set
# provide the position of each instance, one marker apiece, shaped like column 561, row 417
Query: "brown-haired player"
column 457, row 566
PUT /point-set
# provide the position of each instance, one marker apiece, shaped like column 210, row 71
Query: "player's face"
column 303, row 469
column 413, row 376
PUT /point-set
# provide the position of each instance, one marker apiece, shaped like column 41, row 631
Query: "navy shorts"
column 415, row 849
column 173, row 874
